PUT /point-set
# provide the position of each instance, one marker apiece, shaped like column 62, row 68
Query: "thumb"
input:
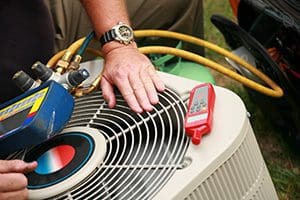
column 18, row 166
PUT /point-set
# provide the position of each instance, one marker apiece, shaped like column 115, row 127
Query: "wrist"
column 118, row 36
column 110, row 46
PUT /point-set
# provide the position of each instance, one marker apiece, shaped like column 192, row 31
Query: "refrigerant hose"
column 273, row 91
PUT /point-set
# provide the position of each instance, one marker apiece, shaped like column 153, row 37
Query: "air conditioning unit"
column 117, row 154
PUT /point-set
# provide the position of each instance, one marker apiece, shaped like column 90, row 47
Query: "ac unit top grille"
column 143, row 150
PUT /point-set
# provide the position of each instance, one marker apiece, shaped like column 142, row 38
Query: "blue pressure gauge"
column 34, row 116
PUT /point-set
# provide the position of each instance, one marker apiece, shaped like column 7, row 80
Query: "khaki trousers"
column 184, row 16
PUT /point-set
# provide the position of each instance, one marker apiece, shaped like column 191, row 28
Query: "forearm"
column 104, row 14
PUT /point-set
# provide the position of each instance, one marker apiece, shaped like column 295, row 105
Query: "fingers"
column 159, row 84
column 128, row 94
column 20, row 166
column 140, row 93
column 13, row 186
column 29, row 167
column 138, row 88
column 144, row 85
column 108, row 92
column 152, row 82
column 12, row 182
column 15, row 195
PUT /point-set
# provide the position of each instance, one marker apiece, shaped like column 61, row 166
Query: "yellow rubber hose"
column 276, row 91
column 51, row 63
column 72, row 49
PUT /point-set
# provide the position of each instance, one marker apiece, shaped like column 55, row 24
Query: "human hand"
column 135, row 77
column 13, row 183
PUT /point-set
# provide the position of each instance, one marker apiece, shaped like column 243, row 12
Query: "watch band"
column 107, row 37
column 121, row 32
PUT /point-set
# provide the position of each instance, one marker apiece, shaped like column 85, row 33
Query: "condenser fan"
column 142, row 150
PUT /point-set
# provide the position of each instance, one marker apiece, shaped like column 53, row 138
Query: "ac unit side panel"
column 244, row 175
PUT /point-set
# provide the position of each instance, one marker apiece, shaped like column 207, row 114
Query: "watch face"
column 124, row 33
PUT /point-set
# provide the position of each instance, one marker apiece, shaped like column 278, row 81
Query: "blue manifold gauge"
column 34, row 116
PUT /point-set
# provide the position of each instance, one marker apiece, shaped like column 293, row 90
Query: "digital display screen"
column 13, row 121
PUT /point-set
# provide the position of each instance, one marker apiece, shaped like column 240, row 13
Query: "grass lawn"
column 282, row 162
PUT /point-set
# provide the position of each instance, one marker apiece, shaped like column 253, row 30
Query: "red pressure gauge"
column 198, row 120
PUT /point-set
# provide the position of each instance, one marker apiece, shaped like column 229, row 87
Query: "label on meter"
column 21, row 112
column 198, row 120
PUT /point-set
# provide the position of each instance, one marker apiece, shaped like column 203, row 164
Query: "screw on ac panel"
column 186, row 162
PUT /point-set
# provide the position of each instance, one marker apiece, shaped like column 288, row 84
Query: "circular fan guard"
column 143, row 150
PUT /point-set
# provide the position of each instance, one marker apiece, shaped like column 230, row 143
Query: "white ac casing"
column 228, row 163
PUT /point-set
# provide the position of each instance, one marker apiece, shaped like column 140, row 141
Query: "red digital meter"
column 198, row 120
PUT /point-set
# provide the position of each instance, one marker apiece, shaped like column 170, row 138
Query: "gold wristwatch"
column 121, row 32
